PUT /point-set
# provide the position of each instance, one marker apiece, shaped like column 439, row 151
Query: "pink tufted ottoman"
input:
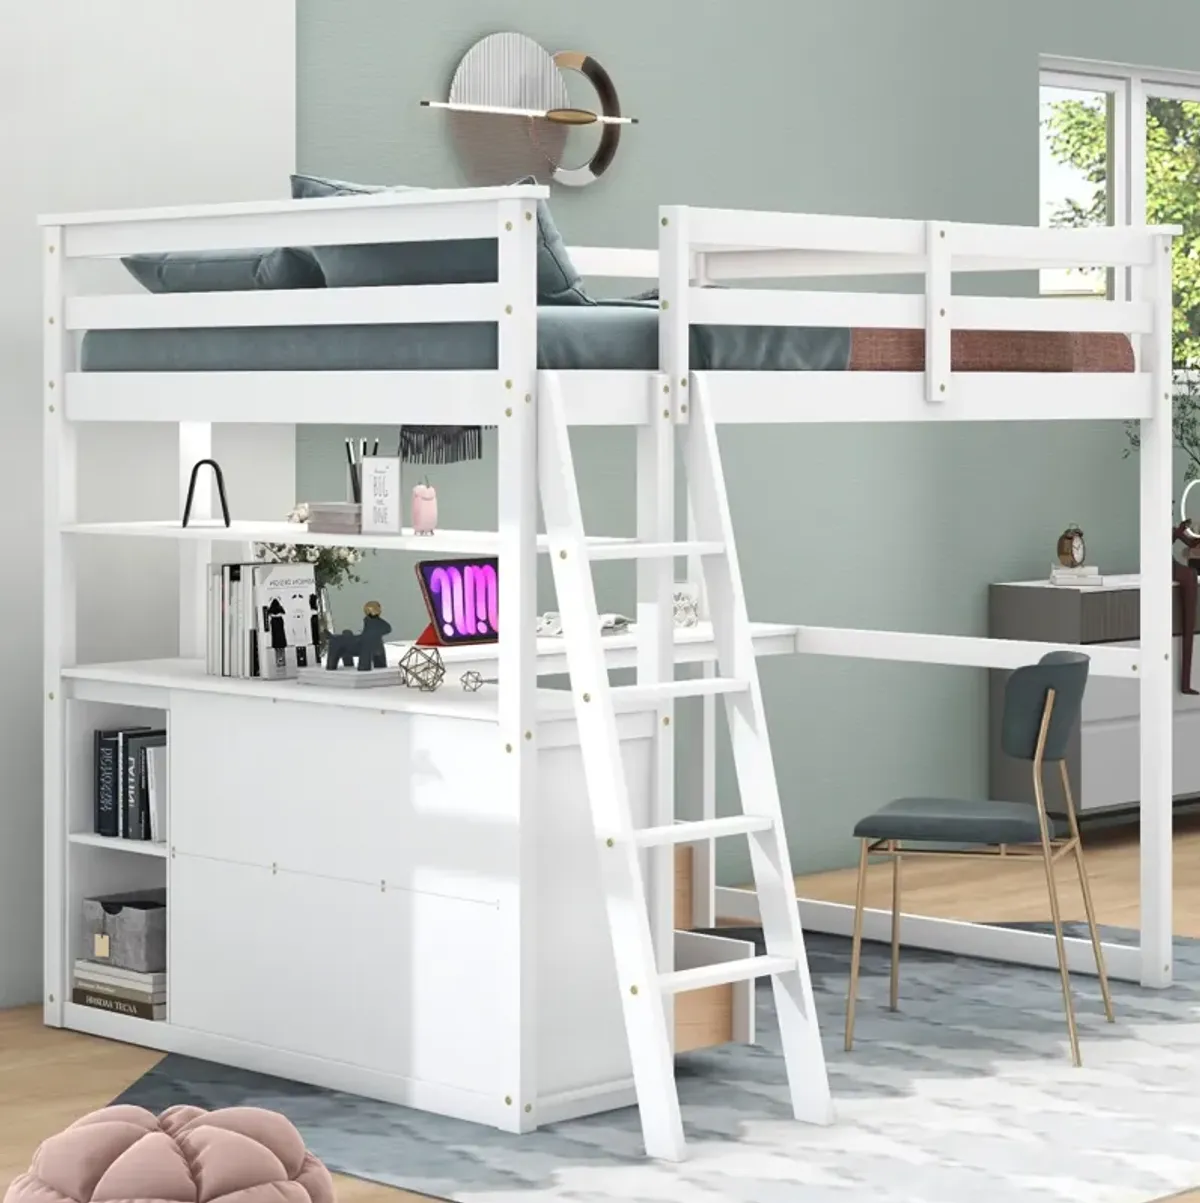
column 185, row 1155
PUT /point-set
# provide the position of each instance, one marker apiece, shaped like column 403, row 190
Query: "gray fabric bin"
column 127, row 931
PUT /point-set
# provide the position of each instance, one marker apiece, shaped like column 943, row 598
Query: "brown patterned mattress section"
column 873, row 350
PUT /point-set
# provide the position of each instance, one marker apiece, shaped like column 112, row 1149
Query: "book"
column 132, row 979
column 135, row 812
column 286, row 619
column 110, row 780
column 106, row 821
column 156, row 791
column 127, row 993
column 84, row 997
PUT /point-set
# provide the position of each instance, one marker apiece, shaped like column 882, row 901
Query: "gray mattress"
column 606, row 336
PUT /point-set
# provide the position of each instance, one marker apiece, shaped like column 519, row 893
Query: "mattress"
column 606, row 336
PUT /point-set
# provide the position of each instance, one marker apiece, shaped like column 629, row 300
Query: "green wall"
column 925, row 108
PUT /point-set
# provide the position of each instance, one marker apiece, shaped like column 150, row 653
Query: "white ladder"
column 643, row 988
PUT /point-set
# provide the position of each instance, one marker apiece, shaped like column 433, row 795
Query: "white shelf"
column 465, row 542
column 113, row 844
column 149, row 683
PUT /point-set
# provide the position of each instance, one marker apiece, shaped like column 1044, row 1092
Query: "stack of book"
column 263, row 620
column 131, row 783
column 334, row 518
column 1084, row 575
column 121, row 991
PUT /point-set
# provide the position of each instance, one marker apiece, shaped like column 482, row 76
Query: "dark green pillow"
column 469, row 261
column 224, row 271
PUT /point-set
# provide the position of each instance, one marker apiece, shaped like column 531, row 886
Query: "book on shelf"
column 119, row 991
column 122, row 808
column 263, row 620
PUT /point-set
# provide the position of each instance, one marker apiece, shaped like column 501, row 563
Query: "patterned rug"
column 964, row 1096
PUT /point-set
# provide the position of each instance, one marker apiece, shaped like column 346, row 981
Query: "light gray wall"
column 926, row 108
column 96, row 116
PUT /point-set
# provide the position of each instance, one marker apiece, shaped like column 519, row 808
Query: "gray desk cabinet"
column 1103, row 757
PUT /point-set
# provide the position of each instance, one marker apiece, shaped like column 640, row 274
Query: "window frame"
column 1130, row 87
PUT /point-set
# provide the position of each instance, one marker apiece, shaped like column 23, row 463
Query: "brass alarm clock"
column 1071, row 549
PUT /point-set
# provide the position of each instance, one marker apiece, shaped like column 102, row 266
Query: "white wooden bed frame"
column 696, row 246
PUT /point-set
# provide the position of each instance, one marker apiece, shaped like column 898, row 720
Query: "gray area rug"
column 964, row 1096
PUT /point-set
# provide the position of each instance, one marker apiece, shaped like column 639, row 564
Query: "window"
column 1123, row 146
column 1079, row 170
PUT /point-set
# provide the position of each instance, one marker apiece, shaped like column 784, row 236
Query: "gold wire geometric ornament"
column 510, row 112
column 472, row 681
column 422, row 668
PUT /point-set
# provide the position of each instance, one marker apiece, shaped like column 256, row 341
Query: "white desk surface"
column 1112, row 583
column 692, row 645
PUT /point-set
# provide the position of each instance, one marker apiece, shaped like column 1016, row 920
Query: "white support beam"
column 1156, row 465
column 515, row 389
column 966, row 651
column 1011, row 945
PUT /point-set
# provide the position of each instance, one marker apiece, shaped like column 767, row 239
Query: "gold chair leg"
column 860, row 898
column 1056, row 915
column 894, row 996
column 1086, row 890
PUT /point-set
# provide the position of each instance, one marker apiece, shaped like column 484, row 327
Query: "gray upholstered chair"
column 1041, row 710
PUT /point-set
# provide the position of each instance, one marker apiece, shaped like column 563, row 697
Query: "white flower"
column 299, row 514
column 311, row 554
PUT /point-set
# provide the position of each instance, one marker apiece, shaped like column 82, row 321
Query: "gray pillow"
column 469, row 261
column 224, row 271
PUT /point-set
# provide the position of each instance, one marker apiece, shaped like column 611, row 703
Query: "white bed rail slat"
column 427, row 215
column 963, row 651
column 796, row 397
column 715, row 232
column 363, row 398
column 293, row 307
column 777, row 307
column 796, row 265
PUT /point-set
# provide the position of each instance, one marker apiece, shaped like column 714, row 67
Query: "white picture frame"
column 382, row 506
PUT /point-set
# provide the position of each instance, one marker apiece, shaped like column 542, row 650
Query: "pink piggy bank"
column 424, row 509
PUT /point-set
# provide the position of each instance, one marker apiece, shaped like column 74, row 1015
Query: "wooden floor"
column 49, row 1078
column 1016, row 892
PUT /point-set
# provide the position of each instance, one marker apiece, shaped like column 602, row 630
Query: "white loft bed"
column 511, row 1073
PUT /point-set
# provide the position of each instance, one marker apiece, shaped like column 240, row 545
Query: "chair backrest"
column 1025, row 702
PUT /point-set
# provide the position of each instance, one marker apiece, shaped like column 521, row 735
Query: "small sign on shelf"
column 382, row 508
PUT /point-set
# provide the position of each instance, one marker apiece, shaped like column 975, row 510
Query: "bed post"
column 517, row 514
column 1157, row 684
column 656, row 523
column 59, row 507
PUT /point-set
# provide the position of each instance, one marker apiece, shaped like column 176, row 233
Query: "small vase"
column 424, row 509
column 324, row 620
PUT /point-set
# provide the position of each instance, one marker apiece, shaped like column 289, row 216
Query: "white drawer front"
column 392, row 981
column 354, row 794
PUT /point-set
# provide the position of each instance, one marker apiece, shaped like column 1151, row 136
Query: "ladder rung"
column 723, row 972
column 701, row 829
column 631, row 549
column 697, row 687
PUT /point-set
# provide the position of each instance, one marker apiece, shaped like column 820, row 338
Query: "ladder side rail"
column 620, row 860
column 758, row 785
